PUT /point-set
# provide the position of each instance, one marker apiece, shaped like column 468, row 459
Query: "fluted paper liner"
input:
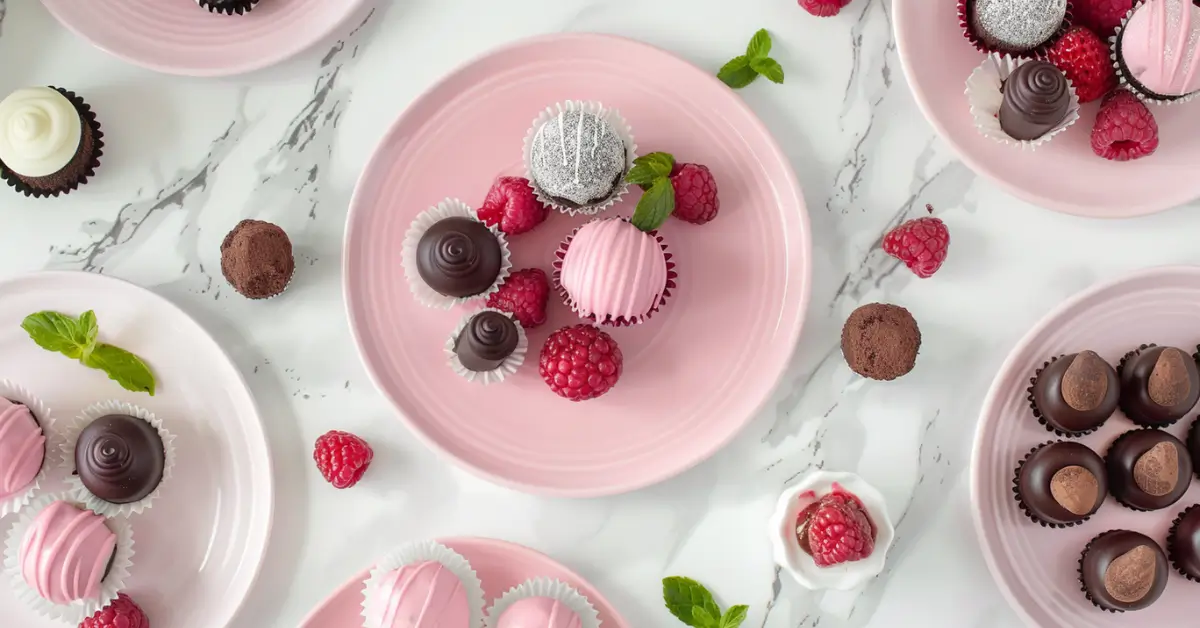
column 427, row 296
column 984, row 97
column 498, row 374
column 53, row 446
column 421, row 552
column 589, row 617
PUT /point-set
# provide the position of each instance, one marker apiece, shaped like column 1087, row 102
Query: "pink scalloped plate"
column 694, row 374
column 501, row 566
column 1063, row 175
column 1036, row 567
column 179, row 37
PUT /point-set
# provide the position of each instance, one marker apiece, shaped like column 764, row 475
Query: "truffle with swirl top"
column 450, row 257
column 120, row 458
column 1037, row 98
column 50, row 141
column 487, row 346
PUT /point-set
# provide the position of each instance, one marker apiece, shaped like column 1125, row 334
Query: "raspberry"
column 695, row 193
column 1083, row 57
column 120, row 613
column 342, row 458
column 1125, row 129
column 921, row 244
column 512, row 204
column 836, row 530
column 823, row 8
column 580, row 362
column 524, row 295
column 1102, row 16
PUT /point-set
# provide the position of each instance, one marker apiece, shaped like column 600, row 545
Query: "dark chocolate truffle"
column 881, row 341
column 459, row 257
column 1123, row 571
column 1148, row 469
column 1183, row 543
column 577, row 159
column 228, row 7
column 1060, row 484
column 487, row 340
column 1037, row 98
column 120, row 458
column 1074, row 394
column 1193, row 443
column 256, row 259
column 1159, row 385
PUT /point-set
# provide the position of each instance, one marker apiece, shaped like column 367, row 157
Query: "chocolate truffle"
column 256, row 259
column 486, row 341
column 459, row 257
column 1074, row 394
column 1193, row 443
column 1159, row 385
column 1123, row 571
column 1037, row 98
column 1016, row 26
column 120, row 458
column 577, row 159
column 1183, row 543
column 881, row 341
column 1060, row 484
column 228, row 7
column 1148, row 469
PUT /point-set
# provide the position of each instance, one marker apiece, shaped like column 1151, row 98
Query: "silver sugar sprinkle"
column 1018, row 25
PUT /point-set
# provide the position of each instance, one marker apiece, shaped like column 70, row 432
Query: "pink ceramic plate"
column 501, row 566
column 178, row 37
column 199, row 546
column 1035, row 566
column 694, row 374
column 1064, row 175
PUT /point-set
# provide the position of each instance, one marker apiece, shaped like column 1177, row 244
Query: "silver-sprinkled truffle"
column 577, row 159
column 1017, row 25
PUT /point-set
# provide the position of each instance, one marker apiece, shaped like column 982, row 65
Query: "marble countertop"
column 186, row 159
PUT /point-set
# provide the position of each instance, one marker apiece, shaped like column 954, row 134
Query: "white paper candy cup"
column 494, row 376
column 75, row 487
column 1123, row 72
column 425, row 295
column 421, row 552
column 589, row 617
column 619, row 125
column 985, row 97
column 76, row 611
column 45, row 419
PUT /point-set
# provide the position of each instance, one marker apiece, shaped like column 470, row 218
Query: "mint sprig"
column 743, row 70
column 653, row 173
column 693, row 605
column 76, row 338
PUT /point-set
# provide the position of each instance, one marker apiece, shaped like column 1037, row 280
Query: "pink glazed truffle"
column 422, row 595
column 66, row 552
column 1158, row 50
column 22, row 448
column 539, row 612
column 613, row 273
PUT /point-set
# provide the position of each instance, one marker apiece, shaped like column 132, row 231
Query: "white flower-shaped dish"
column 800, row 565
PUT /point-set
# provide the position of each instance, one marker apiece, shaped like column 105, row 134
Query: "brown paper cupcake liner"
column 1038, row 413
column 88, row 170
column 1192, row 434
column 1125, row 76
column 1079, row 569
column 977, row 40
column 1171, row 542
column 1017, row 493
column 228, row 7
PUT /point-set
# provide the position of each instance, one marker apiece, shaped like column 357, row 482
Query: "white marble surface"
column 186, row 159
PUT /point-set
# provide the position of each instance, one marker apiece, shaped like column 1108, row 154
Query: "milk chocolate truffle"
column 1074, row 394
column 1123, row 571
column 1148, row 469
column 487, row 340
column 1159, row 385
column 459, row 257
column 120, row 458
column 1037, row 98
column 1183, row 543
column 1060, row 484
column 881, row 341
column 256, row 259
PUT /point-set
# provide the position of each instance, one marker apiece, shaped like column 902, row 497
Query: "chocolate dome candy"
column 120, row 458
column 1183, row 543
column 1074, row 394
column 487, row 340
column 1016, row 26
column 459, row 257
column 1158, row 385
column 881, row 341
column 1123, row 571
column 577, row 159
column 1061, row 484
column 1037, row 98
column 1148, row 469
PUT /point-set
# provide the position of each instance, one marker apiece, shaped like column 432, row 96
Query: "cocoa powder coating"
column 881, row 341
column 256, row 259
column 1085, row 383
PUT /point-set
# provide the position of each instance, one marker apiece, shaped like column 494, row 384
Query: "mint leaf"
column 769, row 68
column 123, row 367
column 657, row 203
column 737, row 73
column 760, row 45
column 734, row 617
column 648, row 169
column 88, row 330
column 56, row 332
column 702, row 618
column 682, row 595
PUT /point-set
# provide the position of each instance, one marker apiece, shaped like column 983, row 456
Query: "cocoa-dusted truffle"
column 1159, row 385
column 1148, row 469
column 1075, row 394
column 1061, row 484
column 256, row 259
column 881, row 341
column 1123, row 571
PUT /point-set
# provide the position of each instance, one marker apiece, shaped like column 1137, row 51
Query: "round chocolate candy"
column 1193, row 443
column 1074, row 394
column 1183, row 543
column 120, row 458
column 1159, row 385
column 1148, row 469
column 1060, row 484
column 881, row 341
column 577, row 159
column 487, row 340
column 1123, row 571
column 459, row 257
column 1037, row 98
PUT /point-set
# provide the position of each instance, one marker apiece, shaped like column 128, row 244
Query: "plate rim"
column 804, row 236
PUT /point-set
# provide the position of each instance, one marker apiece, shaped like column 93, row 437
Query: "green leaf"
column 760, row 45
column 88, row 330
column 56, row 332
column 737, row 73
column 682, row 595
column 656, row 205
column 734, row 617
column 703, row 618
column 648, row 169
column 123, row 367
column 769, row 68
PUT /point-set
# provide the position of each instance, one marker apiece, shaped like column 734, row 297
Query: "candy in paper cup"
column 424, row 293
column 51, row 445
column 74, row 612
column 507, row 367
column 70, row 435
column 228, row 7
column 1125, row 75
column 544, row 593
column 985, row 95
column 556, row 112
column 376, row 588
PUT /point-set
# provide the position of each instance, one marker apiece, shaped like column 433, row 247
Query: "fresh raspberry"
column 823, row 8
column 921, row 244
column 120, row 613
column 695, row 193
column 836, row 530
column 1083, row 57
column 342, row 458
column 524, row 295
column 512, row 204
column 1102, row 16
column 1125, row 129
column 580, row 362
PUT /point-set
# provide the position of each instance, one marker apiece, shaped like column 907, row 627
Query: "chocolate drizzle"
column 1037, row 98
column 119, row 458
column 487, row 340
column 459, row 257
